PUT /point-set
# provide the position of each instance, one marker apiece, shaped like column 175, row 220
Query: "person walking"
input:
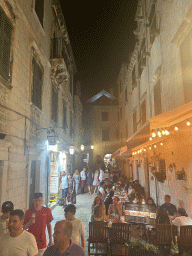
column 83, row 179
column 62, row 241
column 36, row 220
column 6, row 208
column 76, row 178
column 78, row 230
column 71, row 195
column 64, row 186
column 17, row 242
column 96, row 181
column 89, row 181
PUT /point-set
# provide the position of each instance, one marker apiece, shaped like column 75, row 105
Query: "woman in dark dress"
column 89, row 181
column 71, row 195
column 162, row 216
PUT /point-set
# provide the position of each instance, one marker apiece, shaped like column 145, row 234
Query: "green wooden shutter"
column 39, row 9
column 5, row 44
column 37, row 84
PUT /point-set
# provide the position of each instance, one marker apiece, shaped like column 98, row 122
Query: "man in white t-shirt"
column 78, row 229
column 6, row 208
column 17, row 242
column 83, row 179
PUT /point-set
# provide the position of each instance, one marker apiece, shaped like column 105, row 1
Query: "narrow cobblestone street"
column 83, row 212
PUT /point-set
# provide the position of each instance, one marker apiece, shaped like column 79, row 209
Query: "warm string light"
column 144, row 149
column 158, row 134
column 164, row 132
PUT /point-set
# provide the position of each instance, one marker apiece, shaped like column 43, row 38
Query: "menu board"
column 140, row 213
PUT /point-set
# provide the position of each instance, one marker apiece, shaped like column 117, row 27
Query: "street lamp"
column 71, row 150
column 82, row 147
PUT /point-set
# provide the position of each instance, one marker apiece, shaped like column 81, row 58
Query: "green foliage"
column 138, row 244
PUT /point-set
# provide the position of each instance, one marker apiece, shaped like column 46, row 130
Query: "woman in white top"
column 101, row 175
column 96, row 181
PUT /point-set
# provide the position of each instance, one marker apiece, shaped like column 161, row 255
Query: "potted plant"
column 139, row 248
column 180, row 174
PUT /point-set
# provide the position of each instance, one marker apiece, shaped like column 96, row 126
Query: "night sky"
column 101, row 36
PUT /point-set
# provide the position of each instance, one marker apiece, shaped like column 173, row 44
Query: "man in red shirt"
column 36, row 220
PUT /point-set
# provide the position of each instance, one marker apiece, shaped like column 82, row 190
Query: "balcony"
column 59, row 60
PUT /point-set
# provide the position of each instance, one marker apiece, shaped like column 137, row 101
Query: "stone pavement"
column 83, row 212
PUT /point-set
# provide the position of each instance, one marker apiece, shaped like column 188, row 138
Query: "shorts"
column 64, row 192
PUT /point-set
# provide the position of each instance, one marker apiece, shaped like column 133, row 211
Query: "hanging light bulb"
column 150, row 138
column 188, row 123
column 133, row 153
column 155, row 146
column 159, row 133
column 144, row 149
column 176, row 128
column 153, row 134
column 161, row 144
column 163, row 132
column 166, row 132
column 149, row 147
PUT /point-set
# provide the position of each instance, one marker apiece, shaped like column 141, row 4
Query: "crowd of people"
column 25, row 234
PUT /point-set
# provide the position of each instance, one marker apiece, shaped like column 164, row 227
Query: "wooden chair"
column 185, row 240
column 97, row 236
column 165, row 234
column 118, row 235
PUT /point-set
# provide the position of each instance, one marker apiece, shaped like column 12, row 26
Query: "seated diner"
column 98, row 201
column 131, row 192
column 98, row 215
column 115, row 209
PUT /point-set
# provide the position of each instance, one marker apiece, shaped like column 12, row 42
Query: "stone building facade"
column 36, row 96
column 159, row 101
column 101, row 127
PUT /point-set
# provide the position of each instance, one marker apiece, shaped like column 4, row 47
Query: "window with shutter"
column 71, row 124
column 5, row 44
column 134, row 122
column 39, row 9
column 105, row 116
column 157, row 98
column 143, row 112
column 54, row 112
column 64, row 116
column 105, row 135
column 37, row 84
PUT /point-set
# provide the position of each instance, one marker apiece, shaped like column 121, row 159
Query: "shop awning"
column 138, row 138
column 116, row 154
column 121, row 153
column 171, row 117
column 164, row 120
column 124, row 153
